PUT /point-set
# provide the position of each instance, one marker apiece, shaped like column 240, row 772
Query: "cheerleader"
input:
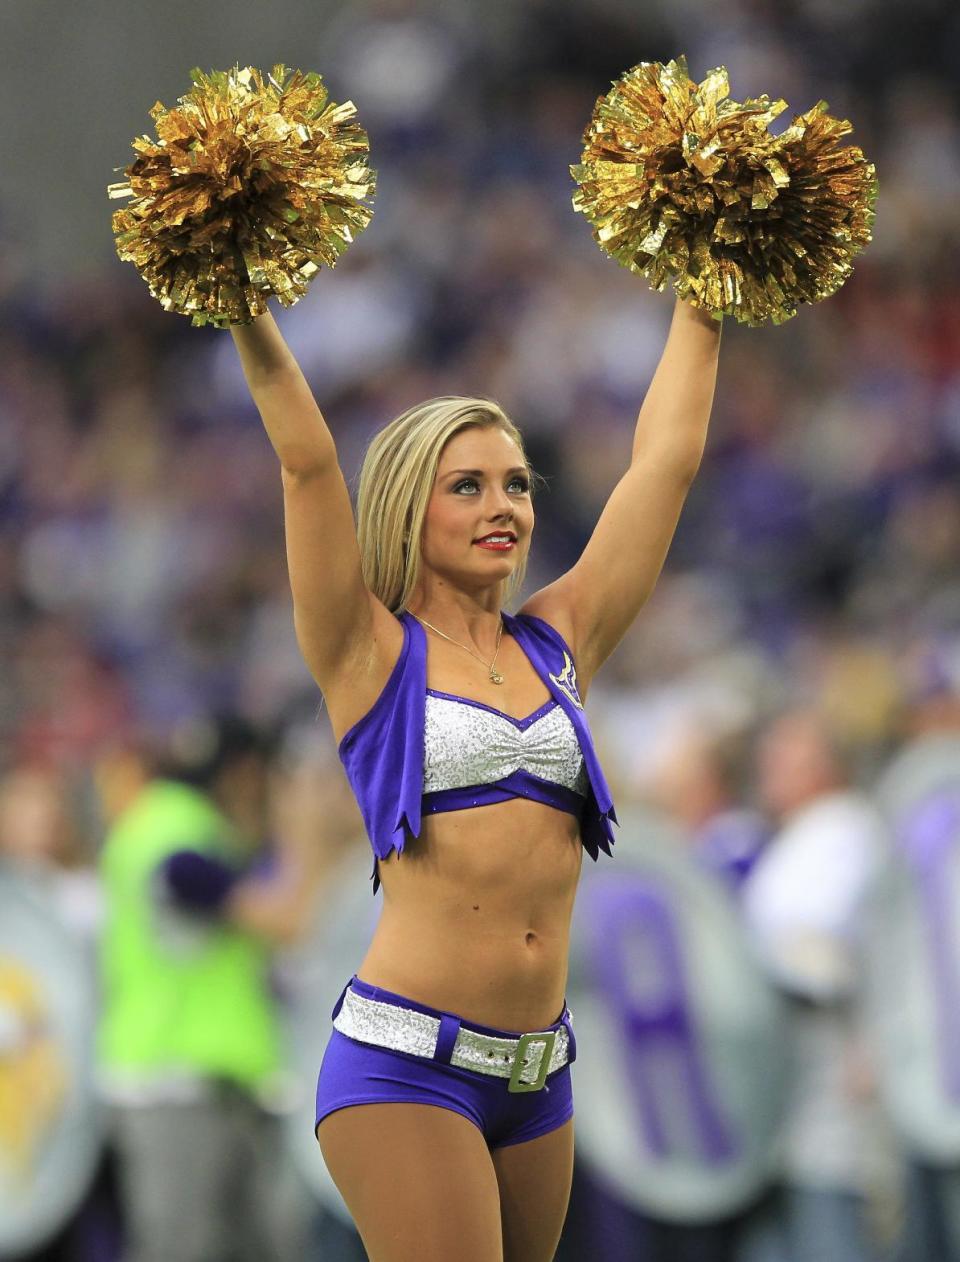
column 444, row 1107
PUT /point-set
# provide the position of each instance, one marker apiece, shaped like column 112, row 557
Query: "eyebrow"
column 479, row 473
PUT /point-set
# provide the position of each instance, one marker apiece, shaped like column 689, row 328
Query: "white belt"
column 526, row 1060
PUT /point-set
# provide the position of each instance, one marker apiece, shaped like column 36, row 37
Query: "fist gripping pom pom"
column 683, row 184
column 252, row 184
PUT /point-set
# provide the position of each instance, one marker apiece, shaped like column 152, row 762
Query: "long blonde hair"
column 396, row 480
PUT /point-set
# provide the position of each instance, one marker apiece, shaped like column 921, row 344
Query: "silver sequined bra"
column 469, row 745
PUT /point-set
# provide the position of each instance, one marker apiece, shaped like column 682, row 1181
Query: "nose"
column 498, row 503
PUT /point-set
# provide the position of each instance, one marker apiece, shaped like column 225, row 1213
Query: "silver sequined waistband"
column 407, row 1030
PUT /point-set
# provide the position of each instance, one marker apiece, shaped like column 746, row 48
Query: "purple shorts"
column 358, row 1073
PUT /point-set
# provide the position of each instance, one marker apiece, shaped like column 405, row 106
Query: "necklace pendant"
column 496, row 677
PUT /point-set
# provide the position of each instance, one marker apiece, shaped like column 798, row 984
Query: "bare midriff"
column 476, row 914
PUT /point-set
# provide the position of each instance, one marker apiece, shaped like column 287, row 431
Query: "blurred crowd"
column 803, row 642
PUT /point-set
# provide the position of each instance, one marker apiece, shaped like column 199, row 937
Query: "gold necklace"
column 495, row 676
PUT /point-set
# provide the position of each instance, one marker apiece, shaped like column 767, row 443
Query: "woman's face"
column 482, row 489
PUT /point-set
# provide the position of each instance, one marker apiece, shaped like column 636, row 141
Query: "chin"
column 504, row 569
column 488, row 574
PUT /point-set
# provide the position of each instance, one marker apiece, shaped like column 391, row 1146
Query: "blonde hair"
column 396, row 480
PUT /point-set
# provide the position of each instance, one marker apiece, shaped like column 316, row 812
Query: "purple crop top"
column 383, row 753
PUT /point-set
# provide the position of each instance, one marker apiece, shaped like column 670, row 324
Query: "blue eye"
column 522, row 483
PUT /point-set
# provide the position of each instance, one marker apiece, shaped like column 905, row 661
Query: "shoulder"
column 554, row 614
column 548, row 621
column 532, row 628
column 369, row 676
column 561, row 607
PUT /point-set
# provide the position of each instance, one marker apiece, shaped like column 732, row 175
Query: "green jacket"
column 182, row 994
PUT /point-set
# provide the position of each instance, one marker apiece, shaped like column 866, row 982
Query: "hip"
column 513, row 1085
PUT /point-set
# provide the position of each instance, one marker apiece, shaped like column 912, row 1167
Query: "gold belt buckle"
column 548, row 1038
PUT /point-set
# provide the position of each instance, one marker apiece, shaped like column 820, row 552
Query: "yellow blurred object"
column 683, row 184
column 253, row 183
column 33, row 1078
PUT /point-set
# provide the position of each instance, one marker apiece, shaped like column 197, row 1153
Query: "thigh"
column 418, row 1180
column 534, row 1180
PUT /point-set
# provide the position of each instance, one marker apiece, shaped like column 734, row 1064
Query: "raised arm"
column 595, row 602
column 333, row 609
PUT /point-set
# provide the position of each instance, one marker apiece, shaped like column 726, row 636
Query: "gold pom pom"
column 683, row 184
column 252, row 184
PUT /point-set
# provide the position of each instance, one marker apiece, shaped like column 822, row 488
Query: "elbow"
column 683, row 459
column 300, row 467
column 679, row 465
column 687, row 470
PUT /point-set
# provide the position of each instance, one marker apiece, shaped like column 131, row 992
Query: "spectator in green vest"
column 190, row 1048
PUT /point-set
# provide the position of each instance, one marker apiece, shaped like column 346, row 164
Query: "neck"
column 476, row 643
column 463, row 615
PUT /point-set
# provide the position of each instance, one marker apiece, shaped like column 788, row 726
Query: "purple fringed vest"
column 383, row 752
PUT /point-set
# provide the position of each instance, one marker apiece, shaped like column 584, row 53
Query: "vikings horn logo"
column 566, row 681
